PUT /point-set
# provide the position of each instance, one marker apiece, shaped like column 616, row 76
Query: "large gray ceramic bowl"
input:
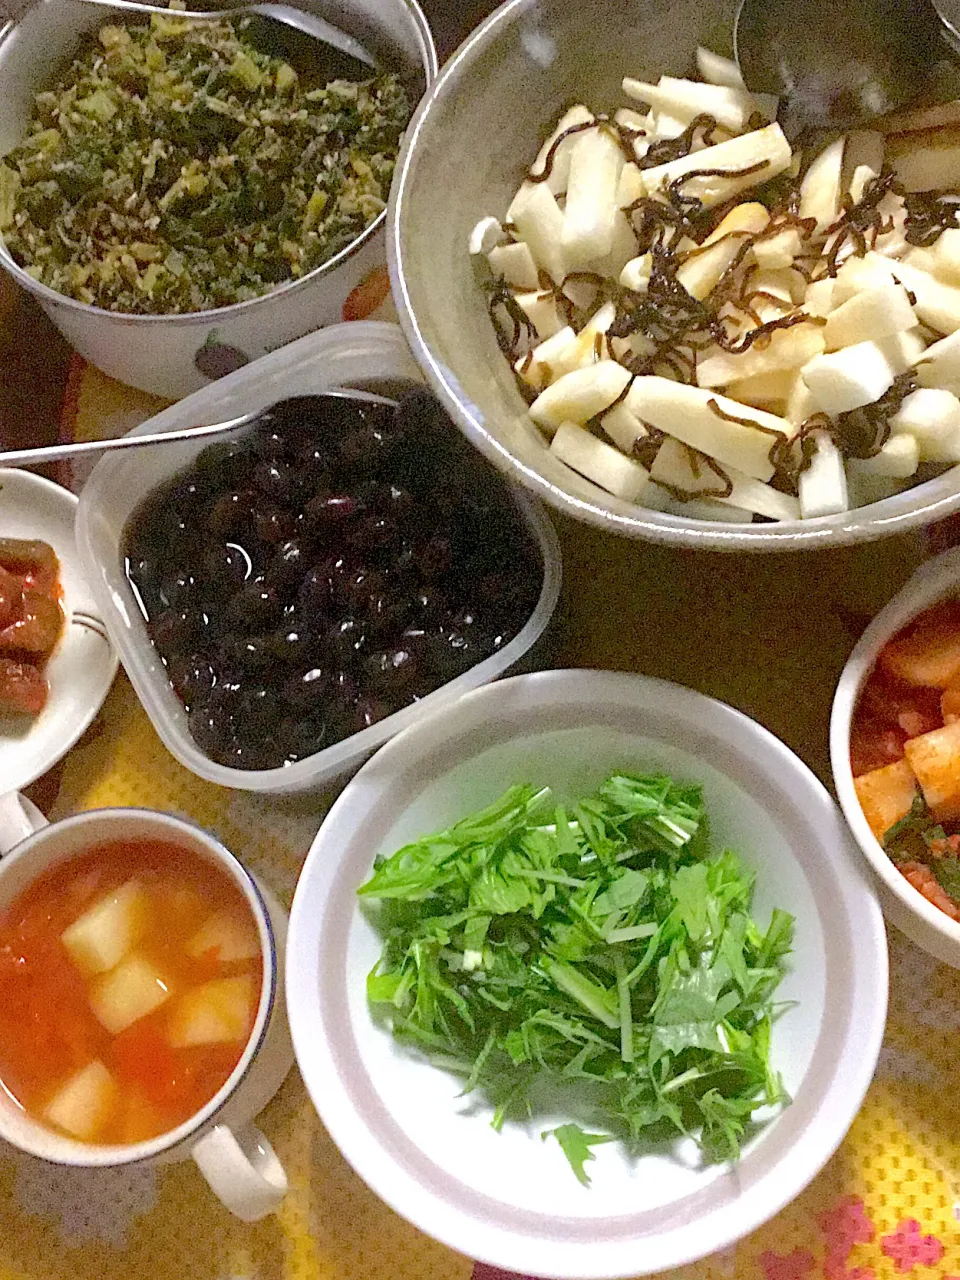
column 477, row 130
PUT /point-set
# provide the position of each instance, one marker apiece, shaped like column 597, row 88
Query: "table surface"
column 769, row 634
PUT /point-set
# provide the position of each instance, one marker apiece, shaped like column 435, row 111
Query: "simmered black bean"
column 337, row 563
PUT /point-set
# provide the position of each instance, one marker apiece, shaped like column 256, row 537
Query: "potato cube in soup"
column 935, row 760
column 928, row 651
column 218, row 1012
column 84, row 1105
column 129, row 992
column 886, row 795
column 231, row 938
column 103, row 935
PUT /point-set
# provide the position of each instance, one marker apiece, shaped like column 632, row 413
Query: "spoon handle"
column 61, row 452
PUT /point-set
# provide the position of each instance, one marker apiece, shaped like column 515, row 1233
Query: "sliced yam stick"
column 556, row 180
column 939, row 366
column 623, row 247
column 623, row 427
column 870, row 316
column 886, row 795
column 486, row 235
column 851, row 378
column 898, row 459
column 744, row 162
column 800, row 403
column 605, row 466
column 514, row 262
column 539, row 223
column 820, row 297
column 636, row 273
column 946, row 256
column 631, row 186
column 937, row 304
column 596, row 326
column 687, row 99
column 934, row 758
column 927, row 653
column 678, row 467
column 928, row 161
column 857, row 275
column 932, row 417
column 701, row 273
column 822, row 485
column 718, row 70
column 588, row 216
column 787, row 349
column 664, row 127
column 764, row 389
column 779, row 250
column 696, row 416
column 580, row 395
column 550, row 360
column 862, row 161
column 542, row 311
column 820, row 188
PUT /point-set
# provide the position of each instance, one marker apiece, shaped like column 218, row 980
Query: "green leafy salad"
column 174, row 167
column 599, row 951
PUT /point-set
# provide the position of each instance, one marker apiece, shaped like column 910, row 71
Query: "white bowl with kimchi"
column 895, row 753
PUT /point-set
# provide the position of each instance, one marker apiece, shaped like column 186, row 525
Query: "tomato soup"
column 130, row 978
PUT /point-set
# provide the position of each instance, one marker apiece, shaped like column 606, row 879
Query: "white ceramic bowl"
column 495, row 99
column 82, row 667
column 160, row 354
column 510, row 1199
column 903, row 905
column 359, row 354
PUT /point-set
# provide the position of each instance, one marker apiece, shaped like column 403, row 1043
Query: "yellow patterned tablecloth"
column 766, row 634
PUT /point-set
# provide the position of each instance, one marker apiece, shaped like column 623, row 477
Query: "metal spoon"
column 284, row 14
column 60, row 452
column 837, row 64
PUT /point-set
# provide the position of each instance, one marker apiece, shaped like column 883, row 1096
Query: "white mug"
column 233, row 1155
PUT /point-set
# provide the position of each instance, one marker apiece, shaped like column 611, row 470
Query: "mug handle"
column 18, row 819
column 242, row 1170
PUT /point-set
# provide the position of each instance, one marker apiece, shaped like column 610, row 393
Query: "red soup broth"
column 130, row 978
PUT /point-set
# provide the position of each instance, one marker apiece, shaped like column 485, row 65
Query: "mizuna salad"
column 604, row 952
column 710, row 322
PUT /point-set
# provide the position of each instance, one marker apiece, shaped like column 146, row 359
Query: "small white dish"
column 510, row 1199
column 81, row 668
column 907, row 908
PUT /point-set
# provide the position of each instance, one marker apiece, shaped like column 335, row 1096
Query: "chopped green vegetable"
column 184, row 137
column 602, row 946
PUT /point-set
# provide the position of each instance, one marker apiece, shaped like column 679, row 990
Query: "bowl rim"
column 938, row 497
column 936, row 579
column 513, row 707
column 51, row 297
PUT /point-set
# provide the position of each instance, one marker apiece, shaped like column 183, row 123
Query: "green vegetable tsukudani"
column 602, row 947
column 173, row 167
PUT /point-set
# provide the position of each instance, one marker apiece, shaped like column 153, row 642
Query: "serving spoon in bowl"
column 296, row 21
column 837, row 64
column 63, row 452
